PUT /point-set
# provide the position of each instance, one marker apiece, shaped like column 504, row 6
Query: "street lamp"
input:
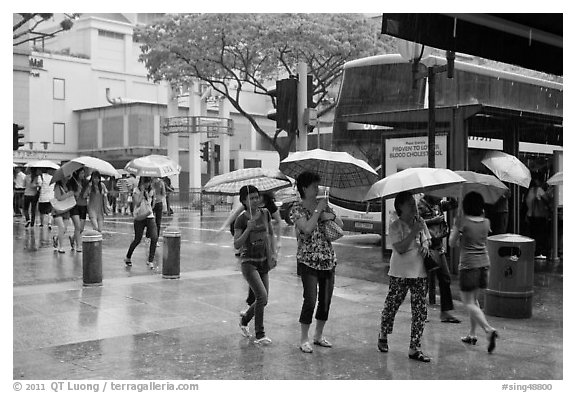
column 414, row 53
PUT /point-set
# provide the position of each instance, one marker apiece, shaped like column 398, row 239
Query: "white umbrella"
column 557, row 179
column 488, row 186
column 507, row 168
column 231, row 183
column 336, row 169
column 153, row 166
column 42, row 164
column 413, row 180
column 96, row 164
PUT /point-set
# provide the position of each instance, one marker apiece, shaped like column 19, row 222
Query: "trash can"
column 510, row 284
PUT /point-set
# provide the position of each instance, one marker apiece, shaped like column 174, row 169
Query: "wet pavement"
column 138, row 325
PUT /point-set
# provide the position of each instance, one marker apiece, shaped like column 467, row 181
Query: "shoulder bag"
column 271, row 255
column 332, row 230
column 143, row 210
column 64, row 205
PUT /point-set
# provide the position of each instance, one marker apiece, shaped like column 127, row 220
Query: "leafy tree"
column 25, row 29
column 235, row 52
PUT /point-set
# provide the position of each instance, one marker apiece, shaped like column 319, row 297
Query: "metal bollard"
column 171, row 253
column 92, row 258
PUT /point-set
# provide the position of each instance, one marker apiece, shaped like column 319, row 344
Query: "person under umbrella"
column 143, row 194
column 410, row 240
column 315, row 256
column 470, row 232
column 31, row 188
column 61, row 192
column 78, row 184
column 252, row 230
column 432, row 209
column 97, row 201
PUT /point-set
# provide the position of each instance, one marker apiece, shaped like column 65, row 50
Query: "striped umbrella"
column 230, row 183
column 336, row 169
column 153, row 166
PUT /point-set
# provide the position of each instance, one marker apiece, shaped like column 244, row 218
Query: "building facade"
column 84, row 92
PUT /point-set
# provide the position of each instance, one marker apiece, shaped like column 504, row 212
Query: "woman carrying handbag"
column 143, row 218
column 315, row 257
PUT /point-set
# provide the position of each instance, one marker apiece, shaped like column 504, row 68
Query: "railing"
column 193, row 200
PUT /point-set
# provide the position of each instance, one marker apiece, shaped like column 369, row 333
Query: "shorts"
column 79, row 210
column 45, row 207
column 65, row 215
column 472, row 279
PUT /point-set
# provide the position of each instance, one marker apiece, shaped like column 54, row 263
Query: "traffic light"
column 216, row 152
column 286, row 113
column 205, row 151
column 450, row 57
column 17, row 135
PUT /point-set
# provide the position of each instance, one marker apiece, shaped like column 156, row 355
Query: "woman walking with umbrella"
column 252, row 233
column 97, row 201
column 143, row 218
column 316, row 258
column 61, row 219
column 410, row 240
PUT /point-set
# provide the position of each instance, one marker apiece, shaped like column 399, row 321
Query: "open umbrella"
column 507, row 168
column 231, row 183
column 42, row 164
column 488, row 186
column 413, row 180
column 336, row 169
column 557, row 179
column 153, row 166
column 96, row 164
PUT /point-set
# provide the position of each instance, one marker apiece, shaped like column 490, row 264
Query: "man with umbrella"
column 432, row 210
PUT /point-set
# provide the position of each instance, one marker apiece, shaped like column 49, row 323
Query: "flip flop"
column 450, row 320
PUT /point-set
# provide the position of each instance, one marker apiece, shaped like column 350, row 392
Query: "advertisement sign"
column 403, row 153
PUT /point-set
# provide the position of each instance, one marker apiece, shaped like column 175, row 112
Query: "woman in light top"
column 469, row 233
column 143, row 194
column 410, row 241
column 97, row 201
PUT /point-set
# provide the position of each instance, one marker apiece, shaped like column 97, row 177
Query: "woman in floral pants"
column 410, row 240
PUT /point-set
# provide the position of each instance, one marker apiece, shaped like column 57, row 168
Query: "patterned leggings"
column 396, row 294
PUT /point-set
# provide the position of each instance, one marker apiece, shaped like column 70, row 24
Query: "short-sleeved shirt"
column 31, row 185
column 254, row 248
column 122, row 185
column 409, row 264
column 314, row 250
column 46, row 189
column 473, row 252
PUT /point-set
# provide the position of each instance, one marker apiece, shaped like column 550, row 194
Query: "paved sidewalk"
column 141, row 326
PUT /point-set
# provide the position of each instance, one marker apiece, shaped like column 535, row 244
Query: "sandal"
column 306, row 347
column 418, row 355
column 469, row 339
column 323, row 343
column 383, row 345
column 492, row 341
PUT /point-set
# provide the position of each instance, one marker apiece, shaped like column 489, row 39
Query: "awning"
column 532, row 41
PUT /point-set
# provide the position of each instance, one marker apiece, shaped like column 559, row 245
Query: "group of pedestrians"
column 411, row 240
